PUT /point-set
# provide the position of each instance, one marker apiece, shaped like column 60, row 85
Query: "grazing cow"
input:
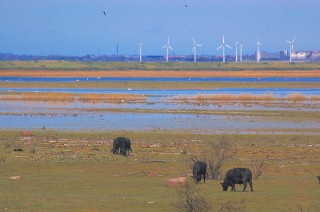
column 237, row 176
column 199, row 168
column 123, row 144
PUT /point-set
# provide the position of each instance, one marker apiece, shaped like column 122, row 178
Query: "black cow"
column 237, row 176
column 199, row 168
column 123, row 144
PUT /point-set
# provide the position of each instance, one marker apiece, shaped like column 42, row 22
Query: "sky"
column 79, row 27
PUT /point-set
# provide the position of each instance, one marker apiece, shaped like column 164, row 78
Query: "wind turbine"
column 168, row 47
column 141, row 47
column 241, row 46
column 223, row 46
column 237, row 44
column 291, row 46
column 258, row 50
column 194, row 50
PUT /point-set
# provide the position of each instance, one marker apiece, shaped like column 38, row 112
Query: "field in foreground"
column 70, row 171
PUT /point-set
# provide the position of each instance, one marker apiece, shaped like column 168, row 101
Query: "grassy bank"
column 70, row 97
column 70, row 171
column 94, row 66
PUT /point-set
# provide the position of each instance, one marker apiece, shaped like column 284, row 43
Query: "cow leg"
column 123, row 151
column 244, row 185
column 204, row 178
column 234, row 187
column 250, row 183
column 115, row 150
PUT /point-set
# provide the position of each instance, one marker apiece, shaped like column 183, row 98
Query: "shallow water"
column 98, row 116
column 281, row 92
column 85, row 116
column 147, row 121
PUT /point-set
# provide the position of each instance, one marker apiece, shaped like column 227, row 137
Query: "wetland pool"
column 153, row 113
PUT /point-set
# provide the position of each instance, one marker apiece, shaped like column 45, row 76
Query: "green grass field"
column 70, row 65
column 75, row 171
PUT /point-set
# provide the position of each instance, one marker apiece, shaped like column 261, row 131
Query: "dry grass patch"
column 36, row 96
column 55, row 96
column 315, row 98
column 302, row 97
column 112, row 97
column 296, row 97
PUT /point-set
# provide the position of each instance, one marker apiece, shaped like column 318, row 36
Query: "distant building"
column 284, row 55
column 315, row 56
column 269, row 56
column 300, row 55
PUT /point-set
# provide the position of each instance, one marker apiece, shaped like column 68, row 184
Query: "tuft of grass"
column 315, row 98
column 296, row 97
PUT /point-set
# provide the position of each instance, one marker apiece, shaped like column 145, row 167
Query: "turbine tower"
column 194, row 50
column 237, row 44
column 290, row 46
column 223, row 49
column 241, row 46
column 167, row 46
column 258, row 51
column 141, row 47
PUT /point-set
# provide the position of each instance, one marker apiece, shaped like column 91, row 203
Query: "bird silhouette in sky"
column 186, row 5
column 104, row 12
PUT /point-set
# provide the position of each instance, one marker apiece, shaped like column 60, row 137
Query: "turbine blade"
column 194, row 41
column 287, row 41
column 293, row 40
column 228, row 46
column 220, row 47
column 194, row 48
column 170, row 48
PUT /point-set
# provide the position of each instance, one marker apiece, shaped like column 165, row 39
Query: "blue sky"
column 79, row 27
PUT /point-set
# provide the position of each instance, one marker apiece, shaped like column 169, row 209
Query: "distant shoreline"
column 164, row 73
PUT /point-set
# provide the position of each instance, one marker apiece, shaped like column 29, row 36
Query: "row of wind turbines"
column 223, row 46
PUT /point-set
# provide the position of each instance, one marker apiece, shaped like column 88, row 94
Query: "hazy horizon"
column 79, row 27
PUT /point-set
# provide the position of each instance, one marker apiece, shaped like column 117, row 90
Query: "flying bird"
column 104, row 12
column 186, row 5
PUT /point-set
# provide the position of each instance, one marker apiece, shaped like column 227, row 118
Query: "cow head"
column 224, row 186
